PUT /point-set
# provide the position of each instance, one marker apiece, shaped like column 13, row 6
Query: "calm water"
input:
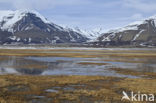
column 72, row 66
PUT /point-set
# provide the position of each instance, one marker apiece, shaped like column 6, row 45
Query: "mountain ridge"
column 30, row 27
column 27, row 26
column 139, row 33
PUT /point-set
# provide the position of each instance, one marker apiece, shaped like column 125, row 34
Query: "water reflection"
column 30, row 71
column 147, row 67
column 69, row 66
column 8, row 71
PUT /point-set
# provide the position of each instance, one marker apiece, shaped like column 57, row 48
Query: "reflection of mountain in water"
column 7, row 71
column 30, row 71
column 147, row 67
column 68, row 66
column 21, row 71
column 20, row 65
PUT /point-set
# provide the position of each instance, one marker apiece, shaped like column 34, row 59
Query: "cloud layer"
column 142, row 5
column 40, row 4
column 87, row 13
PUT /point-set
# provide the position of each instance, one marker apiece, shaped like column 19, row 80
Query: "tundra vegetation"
column 76, row 88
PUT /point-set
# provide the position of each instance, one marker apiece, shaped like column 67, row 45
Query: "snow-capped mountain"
column 140, row 33
column 90, row 34
column 30, row 27
column 27, row 26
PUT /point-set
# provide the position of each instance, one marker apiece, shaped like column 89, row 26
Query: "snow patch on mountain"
column 9, row 18
column 14, row 38
column 92, row 34
column 154, row 19
column 108, row 38
column 137, row 35
column 133, row 26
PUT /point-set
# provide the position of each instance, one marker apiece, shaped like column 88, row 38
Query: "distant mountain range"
column 30, row 27
column 140, row 33
column 92, row 35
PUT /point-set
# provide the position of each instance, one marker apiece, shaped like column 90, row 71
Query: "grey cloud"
column 40, row 4
column 142, row 5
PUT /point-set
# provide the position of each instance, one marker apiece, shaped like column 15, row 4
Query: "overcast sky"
column 87, row 14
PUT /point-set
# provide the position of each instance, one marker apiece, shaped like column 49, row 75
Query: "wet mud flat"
column 75, row 75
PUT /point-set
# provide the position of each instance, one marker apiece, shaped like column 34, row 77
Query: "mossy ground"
column 86, row 89
column 75, row 89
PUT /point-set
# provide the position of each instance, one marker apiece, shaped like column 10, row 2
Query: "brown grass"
column 96, row 88
column 77, row 53
column 134, row 73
